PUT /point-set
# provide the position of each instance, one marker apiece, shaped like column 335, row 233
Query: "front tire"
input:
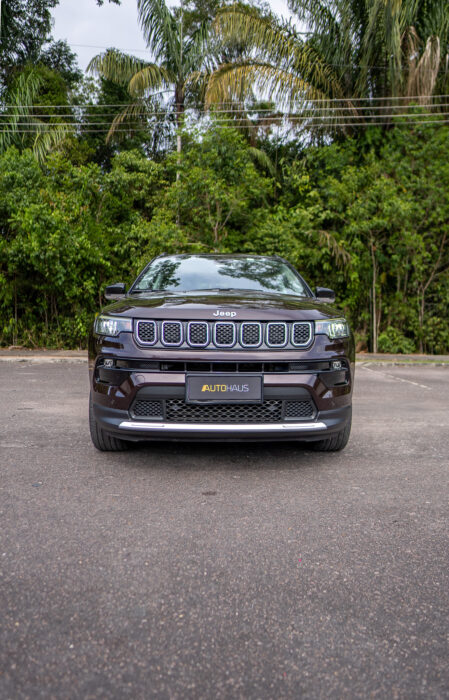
column 102, row 440
column 335, row 443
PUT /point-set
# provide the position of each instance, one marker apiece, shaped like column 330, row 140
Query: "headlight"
column 112, row 325
column 333, row 328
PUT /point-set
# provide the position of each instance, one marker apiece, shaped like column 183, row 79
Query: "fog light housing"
column 337, row 365
column 108, row 363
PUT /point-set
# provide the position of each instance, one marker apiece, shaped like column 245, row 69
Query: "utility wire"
column 212, row 113
column 273, row 119
column 345, row 100
column 328, row 125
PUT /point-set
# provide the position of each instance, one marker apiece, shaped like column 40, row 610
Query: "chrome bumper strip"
column 221, row 427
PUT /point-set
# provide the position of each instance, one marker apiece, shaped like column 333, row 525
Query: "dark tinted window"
column 193, row 273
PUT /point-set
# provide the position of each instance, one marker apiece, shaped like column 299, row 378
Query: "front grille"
column 177, row 411
column 224, row 334
column 276, row 334
column 147, row 409
column 299, row 409
column 172, row 333
column 146, row 331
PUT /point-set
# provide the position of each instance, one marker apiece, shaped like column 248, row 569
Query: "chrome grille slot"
column 277, row 335
column 172, row 333
column 301, row 333
column 146, row 332
column 251, row 334
column 198, row 334
column 224, row 334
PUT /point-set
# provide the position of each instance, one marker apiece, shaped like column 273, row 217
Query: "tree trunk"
column 180, row 106
column 373, row 292
column 421, row 309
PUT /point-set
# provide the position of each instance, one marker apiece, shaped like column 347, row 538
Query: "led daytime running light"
column 112, row 325
column 333, row 328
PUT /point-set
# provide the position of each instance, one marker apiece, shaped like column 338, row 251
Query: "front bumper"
column 122, row 423
column 159, row 377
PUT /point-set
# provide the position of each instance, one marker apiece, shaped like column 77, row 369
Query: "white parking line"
column 397, row 379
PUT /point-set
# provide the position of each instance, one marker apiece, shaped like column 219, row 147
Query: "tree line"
column 327, row 145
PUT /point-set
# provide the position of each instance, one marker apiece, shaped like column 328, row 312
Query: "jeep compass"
column 220, row 347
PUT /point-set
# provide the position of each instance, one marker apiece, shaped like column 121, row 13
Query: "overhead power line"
column 31, row 111
column 329, row 125
column 269, row 120
column 345, row 100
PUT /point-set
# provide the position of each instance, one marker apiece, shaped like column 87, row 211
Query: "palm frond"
column 22, row 123
column 263, row 159
column 19, row 106
column 160, row 29
column 237, row 82
column 116, row 66
column 128, row 116
column 423, row 71
column 48, row 139
column 150, row 78
column 266, row 34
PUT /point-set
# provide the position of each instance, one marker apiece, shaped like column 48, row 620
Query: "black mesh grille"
column 177, row 411
column 172, row 333
column 301, row 333
column 251, row 334
column 224, row 333
column 277, row 334
column 146, row 331
column 147, row 409
column 198, row 333
column 299, row 409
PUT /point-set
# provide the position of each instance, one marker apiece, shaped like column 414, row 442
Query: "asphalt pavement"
column 224, row 571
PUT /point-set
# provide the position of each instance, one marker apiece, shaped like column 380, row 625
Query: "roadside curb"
column 43, row 358
column 399, row 363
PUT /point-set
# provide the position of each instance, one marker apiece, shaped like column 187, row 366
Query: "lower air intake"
column 299, row 409
column 147, row 409
column 177, row 411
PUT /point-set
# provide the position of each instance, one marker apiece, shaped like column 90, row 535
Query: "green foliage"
column 392, row 340
column 368, row 219
column 220, row 193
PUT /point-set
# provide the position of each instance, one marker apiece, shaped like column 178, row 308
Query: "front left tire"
column 102, row 440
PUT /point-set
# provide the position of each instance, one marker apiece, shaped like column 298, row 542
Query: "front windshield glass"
column 196, row 273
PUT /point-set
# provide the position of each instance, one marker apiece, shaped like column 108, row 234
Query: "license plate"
column 223, row 388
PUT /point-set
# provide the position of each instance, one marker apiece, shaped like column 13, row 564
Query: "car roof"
column 219, row 256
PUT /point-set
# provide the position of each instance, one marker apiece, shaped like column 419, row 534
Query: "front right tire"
column 102, row 440
column 336, row 442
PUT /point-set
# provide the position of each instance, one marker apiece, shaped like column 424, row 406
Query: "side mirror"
column 324, row 294
column 115, row 291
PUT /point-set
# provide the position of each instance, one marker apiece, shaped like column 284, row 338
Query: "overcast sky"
column 89, row 29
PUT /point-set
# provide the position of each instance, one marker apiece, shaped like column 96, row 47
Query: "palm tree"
column 352, row 53
column 178, row 59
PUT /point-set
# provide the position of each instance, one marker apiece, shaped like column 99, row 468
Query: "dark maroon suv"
column 220, row 347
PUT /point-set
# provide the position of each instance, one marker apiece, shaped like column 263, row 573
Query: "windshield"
column 197, row 273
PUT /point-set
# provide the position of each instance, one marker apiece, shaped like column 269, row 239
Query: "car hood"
column 222, row 306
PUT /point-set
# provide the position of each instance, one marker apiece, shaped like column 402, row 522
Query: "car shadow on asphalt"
column 219, row 454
